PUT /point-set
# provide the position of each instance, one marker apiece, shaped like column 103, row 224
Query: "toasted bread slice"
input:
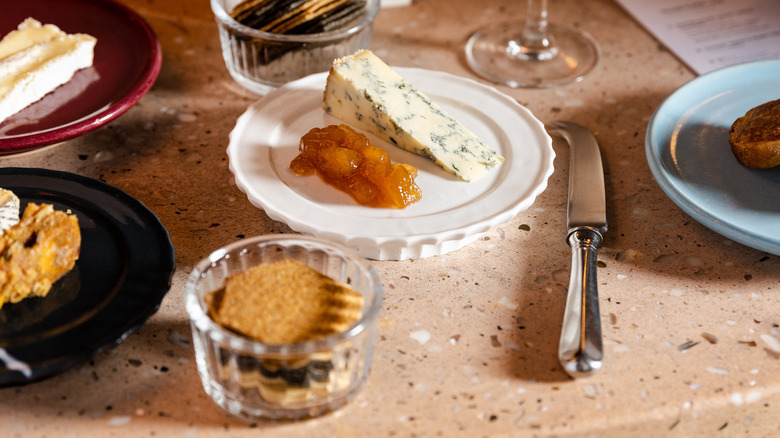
column 755, row 137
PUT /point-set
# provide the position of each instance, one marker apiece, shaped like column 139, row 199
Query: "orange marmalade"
column 345, row 159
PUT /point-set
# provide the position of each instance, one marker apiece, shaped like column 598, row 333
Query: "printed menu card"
column 710, row 34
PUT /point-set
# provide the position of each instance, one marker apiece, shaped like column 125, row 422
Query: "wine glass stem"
column 534, row 43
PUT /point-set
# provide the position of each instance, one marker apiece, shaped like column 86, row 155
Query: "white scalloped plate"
column 451, row 213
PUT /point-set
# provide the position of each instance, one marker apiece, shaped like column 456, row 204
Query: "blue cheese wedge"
column 9, row 209
column 35, row 59
column 364, row 92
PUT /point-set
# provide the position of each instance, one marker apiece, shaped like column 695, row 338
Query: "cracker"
column 284, row 302
column 297, row 16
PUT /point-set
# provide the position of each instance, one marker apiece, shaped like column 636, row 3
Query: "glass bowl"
column 261, row 61
column 255, row 380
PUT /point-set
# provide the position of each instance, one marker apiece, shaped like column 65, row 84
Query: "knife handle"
column 580, row 351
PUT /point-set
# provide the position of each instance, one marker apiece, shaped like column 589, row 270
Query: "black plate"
column 123, row 272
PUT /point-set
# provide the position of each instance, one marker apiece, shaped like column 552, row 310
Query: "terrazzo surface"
column 467, row 340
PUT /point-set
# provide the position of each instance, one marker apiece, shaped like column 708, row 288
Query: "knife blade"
column 580, row 351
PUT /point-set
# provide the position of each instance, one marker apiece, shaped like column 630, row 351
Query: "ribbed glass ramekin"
column 256, row 380
column 261, row 61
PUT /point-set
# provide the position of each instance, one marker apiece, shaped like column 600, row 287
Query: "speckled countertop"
column 468, row 340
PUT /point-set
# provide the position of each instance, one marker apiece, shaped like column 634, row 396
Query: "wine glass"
column 538, row 55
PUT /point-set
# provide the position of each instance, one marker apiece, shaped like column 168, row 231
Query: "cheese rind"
column 366, row 93
column 35, row 59
column 9, row 209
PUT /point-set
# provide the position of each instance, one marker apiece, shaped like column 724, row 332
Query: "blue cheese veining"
column 364, row 92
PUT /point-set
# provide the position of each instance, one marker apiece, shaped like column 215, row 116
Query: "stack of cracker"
column 297, row 16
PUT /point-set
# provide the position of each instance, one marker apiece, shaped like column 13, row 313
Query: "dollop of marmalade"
column 344, row 158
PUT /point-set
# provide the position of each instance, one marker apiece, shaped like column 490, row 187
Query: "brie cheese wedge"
column 35, row 59
column 9, row 209
column 366, row 93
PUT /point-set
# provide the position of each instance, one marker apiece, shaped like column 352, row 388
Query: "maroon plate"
column 127, row 61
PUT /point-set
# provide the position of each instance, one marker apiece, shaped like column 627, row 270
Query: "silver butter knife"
column 580, row 351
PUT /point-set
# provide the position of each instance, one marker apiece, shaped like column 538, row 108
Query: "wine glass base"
column 490, row 54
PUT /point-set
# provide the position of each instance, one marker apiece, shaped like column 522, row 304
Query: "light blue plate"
column 687, row 147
